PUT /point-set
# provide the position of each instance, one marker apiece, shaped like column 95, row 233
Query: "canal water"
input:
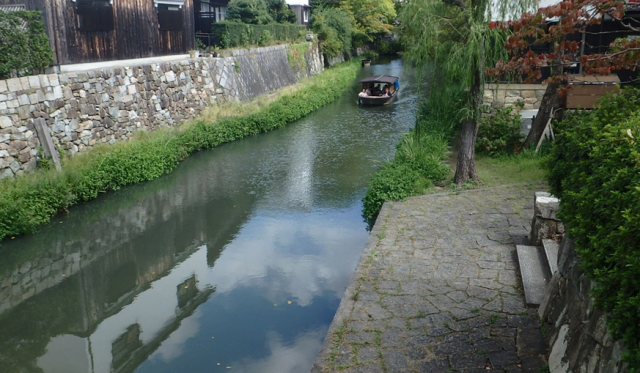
column 236, row 261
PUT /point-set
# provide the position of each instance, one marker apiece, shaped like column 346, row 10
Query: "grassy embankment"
column 30, row 201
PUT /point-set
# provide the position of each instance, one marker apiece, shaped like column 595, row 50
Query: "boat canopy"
column 388, row 79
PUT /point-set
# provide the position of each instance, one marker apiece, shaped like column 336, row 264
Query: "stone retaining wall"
column 85, row 108
column 342, row 57
column 500, row 95
column 576, row 331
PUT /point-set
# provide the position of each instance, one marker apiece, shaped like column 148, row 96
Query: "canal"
column 236, row 261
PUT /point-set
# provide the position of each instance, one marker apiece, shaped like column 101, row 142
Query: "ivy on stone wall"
column 595, row 170
column 24, row 44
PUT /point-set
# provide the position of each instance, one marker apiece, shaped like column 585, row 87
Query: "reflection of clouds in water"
column 173, row 346
column 265, row 256
column 285, row 359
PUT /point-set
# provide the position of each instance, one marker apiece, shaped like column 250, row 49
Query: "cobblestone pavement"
column 437, row 289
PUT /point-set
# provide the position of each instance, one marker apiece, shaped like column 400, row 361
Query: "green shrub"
column 421, row 154
column 595, row 170
column 24, row 49
column 499, row 132
column 265, row 38
column 234, row 34
column 424, row 153
column 334, row 29
column 280, row 11
column 394, row 182
column 419, row 161
column 248, row 11
column 30, row 201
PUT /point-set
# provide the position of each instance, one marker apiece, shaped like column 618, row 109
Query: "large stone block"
column 545, row 205
column 34, row 81
column 5, row 122
column 14, row 85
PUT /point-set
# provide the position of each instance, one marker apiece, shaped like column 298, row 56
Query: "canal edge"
column 349, row 298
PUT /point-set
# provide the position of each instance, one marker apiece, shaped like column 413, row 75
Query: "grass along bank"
column 30, row 201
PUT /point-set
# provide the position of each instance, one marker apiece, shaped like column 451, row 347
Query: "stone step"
column 551, row 248
column 534, row 272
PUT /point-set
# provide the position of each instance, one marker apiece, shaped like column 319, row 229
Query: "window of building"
column 206, row 10
column 216, row 12
column 170, row 17
column 94, row 15
column 221, row 13
column 305, row 15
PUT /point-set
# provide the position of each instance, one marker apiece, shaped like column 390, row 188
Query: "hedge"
column 595, row 170
column 30, row 201
column 233, row 34
column 24, row 45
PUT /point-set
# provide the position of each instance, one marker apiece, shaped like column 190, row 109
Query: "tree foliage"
column 253, row 12
column 371, row 18
column 24, row 45
column 570, row 18
column 280, row 11
column 334, row 29
column 454, row 39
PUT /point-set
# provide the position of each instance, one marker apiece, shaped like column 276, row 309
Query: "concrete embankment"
column 436, row 290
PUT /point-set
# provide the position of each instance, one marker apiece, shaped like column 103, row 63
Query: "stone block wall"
column 576, row 332
column 86, row 108
column 501, row 95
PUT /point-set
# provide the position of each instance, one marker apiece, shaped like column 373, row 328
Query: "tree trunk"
column 466, row 165
column 549, row 100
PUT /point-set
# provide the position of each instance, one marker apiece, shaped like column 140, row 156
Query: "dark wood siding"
column 136, row 33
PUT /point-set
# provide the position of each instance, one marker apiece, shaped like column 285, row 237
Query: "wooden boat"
column 376, row 85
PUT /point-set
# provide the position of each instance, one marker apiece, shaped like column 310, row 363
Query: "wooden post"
column 46, row 142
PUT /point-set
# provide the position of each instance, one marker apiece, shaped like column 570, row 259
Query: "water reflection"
column 239, row 258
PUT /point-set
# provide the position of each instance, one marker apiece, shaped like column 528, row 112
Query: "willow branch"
column 458, row 3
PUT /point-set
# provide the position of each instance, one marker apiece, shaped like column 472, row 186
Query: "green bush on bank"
column 24, row 44
column 30, row 201
column 499, row 131
column 595, row 170
column 235, row 34
column 418, row 163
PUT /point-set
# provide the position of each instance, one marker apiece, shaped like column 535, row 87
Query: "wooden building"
column 102, row 30
column 302, row 10
column 207, row 12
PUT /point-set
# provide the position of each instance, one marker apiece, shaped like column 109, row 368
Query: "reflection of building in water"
column 138, row 323
column 124, row 346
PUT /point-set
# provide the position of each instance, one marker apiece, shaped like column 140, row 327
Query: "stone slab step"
column 534, row 271
column 551, row 248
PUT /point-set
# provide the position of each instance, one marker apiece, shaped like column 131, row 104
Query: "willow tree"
column 454, row 39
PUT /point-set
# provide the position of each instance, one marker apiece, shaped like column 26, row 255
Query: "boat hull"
column 377, row 100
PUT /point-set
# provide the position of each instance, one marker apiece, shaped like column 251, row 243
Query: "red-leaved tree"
column 561, row 31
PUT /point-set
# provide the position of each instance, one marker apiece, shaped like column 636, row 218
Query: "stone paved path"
column 437, row 289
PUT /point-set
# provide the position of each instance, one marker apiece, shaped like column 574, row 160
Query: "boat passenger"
column 386, row 91
column 363, row 93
